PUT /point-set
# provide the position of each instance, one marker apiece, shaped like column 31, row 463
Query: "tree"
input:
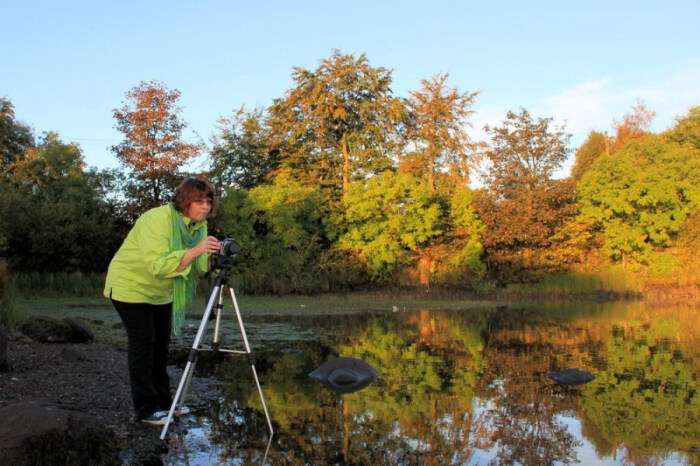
column 153, row 149
column 389, row 218
column 523, row 153
column 595, row 145
column 687, row 129
column 634, row 125
column 466, row 234
column 243, row 155
column 54, row 218
column 279, row 228
column 640, row 196
column 15, row 137
column 523, row 206
column 438, row 121
column 338, row 123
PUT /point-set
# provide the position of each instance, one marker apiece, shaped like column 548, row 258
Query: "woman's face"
column 198, row 209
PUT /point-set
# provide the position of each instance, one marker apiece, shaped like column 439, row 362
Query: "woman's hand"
column 209, row 244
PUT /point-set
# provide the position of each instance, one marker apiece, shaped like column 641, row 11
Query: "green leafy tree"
column 389, row 217
column 337, row 124
column 640, row 197
column 595, row 145
column 523, row 205
column 687, row 129
column 15, row 137
column 467, row 250
column 243, row 155
column 54, row 219
column 152, row 150
column 438, row 121
column 280, row 230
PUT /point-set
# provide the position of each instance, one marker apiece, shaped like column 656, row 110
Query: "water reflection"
column 465, row 387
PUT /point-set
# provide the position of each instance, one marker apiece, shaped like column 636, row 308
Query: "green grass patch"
column 58, row 284
column 582, row 285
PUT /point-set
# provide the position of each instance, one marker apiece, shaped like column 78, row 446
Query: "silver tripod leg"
column 251, row 359
column 178, row 400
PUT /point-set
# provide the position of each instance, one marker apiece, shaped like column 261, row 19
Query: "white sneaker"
column 156, row 419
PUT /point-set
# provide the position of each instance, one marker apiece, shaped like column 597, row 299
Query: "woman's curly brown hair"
column 193, row 189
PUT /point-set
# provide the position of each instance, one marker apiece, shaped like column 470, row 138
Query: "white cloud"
column 596, row 104
column 584, row 107
column 673, row 96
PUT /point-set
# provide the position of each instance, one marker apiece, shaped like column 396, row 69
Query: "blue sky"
column 66, row 65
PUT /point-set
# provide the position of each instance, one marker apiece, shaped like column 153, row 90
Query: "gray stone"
column 345, row 374
column 571, row 377
column 81, row 332
column 41, row 432
column 47, row 329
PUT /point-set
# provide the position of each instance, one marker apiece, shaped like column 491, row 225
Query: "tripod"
column 223, row 280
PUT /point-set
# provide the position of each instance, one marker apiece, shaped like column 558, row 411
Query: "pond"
column 466, row 387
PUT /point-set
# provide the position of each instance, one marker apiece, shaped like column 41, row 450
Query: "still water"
column 465, row 387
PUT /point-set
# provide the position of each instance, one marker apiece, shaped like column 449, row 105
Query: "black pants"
column 148, row 329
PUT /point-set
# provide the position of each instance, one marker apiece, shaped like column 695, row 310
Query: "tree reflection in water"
column 468, row 387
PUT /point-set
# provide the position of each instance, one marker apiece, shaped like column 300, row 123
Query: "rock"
column 571, row 377
column 81, row 333
column 4, row 360
column 40, row 432
column 345, row 374
column 46, row 329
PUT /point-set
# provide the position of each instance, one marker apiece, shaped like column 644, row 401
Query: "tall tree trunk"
column 346, row 167
column 431, row 173
column 465, row 168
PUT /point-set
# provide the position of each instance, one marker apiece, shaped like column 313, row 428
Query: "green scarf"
column 185, row 287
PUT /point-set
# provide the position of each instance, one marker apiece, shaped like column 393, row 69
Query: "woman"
column 150, row 280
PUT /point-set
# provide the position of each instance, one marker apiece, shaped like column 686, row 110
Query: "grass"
column 101, row 317
column 79, row 295
column 58, row 284
column 616, row 282
column 99, row 308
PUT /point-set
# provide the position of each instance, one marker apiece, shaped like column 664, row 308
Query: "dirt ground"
column 92, row 377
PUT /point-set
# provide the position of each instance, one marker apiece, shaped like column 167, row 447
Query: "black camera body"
column 228, row 249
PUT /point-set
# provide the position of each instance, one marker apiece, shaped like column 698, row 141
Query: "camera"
column 228, row 247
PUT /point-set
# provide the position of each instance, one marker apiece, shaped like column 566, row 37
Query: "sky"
column 66, row 65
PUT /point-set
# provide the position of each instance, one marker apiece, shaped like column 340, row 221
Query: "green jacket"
column 143, row 269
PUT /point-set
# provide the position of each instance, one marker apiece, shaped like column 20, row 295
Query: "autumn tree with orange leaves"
column 152, row 149
column 337, row 124
column 438, row 121
column 523, row 205
column 634, row 125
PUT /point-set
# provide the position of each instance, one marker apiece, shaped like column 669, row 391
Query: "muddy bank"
column 90, row 377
